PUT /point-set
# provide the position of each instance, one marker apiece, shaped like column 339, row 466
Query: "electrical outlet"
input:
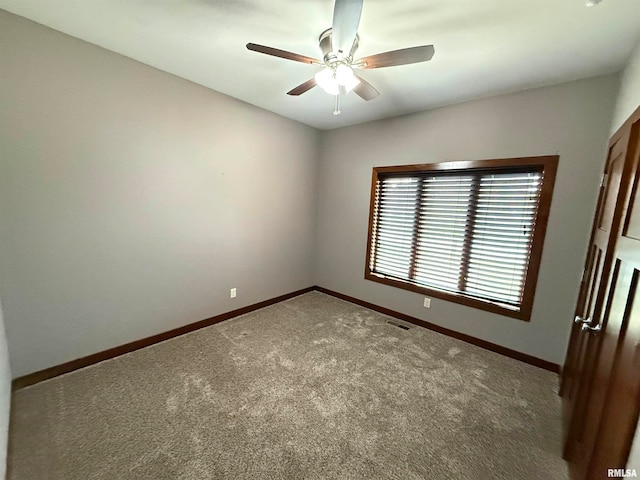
column 427, row 302
column 232, row 293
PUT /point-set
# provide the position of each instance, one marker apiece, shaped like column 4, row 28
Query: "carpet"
column 313, row 387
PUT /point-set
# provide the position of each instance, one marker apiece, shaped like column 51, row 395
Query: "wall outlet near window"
column 427, row 302
column 232, row 293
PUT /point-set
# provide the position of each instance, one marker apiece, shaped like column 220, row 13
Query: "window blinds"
column 469, row 234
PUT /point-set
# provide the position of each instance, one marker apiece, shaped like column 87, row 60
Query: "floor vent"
column 396, row 324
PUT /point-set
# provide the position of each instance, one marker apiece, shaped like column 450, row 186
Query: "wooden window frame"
column 546, row 164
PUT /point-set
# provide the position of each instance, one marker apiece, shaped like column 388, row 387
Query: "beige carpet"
column 312, row 388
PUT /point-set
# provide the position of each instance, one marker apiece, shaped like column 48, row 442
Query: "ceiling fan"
column 338, row 45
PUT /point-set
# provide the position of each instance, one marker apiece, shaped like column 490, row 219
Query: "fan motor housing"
column 329, row 56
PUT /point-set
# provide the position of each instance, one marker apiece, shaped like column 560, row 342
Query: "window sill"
column 523, row 313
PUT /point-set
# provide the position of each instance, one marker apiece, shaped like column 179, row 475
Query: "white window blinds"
column 465, row 234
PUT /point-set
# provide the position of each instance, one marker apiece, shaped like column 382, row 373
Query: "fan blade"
column 365, row 90
column 346, row 18
column 303, row 87
column 404, row 56
column 282, row 54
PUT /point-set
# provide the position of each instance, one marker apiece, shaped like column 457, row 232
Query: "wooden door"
column 602, row 351
column 617, row 374
column 580, row 356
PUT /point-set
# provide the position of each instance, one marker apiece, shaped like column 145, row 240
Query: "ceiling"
column 483, row 48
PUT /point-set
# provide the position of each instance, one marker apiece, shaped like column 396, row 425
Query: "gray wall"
column 629, row 97
column 132, row 200
column 5, row 396
column 571, row 119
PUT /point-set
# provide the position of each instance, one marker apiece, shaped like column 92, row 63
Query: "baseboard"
column 89, row 360
column 523, row 357
column 68, row 367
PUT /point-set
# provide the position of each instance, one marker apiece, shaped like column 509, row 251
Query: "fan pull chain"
column 337, row 111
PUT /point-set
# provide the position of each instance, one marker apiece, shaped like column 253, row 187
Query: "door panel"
column 594, row 280
column 611, row 182
column 601, row 389
column 580, row 357
column 584, row 309
column 615, row 431
column 633, row 231
column 595, row 392
column 621, row 409
column 631, row 227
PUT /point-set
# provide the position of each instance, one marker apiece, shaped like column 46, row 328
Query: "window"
column 468, row 232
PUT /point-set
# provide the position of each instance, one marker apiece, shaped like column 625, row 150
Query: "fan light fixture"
column 330, row 79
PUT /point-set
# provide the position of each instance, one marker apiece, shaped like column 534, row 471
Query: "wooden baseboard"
column 78, row 363
column 523, row 357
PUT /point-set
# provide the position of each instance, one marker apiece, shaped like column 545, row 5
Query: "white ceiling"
column 482, row 47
